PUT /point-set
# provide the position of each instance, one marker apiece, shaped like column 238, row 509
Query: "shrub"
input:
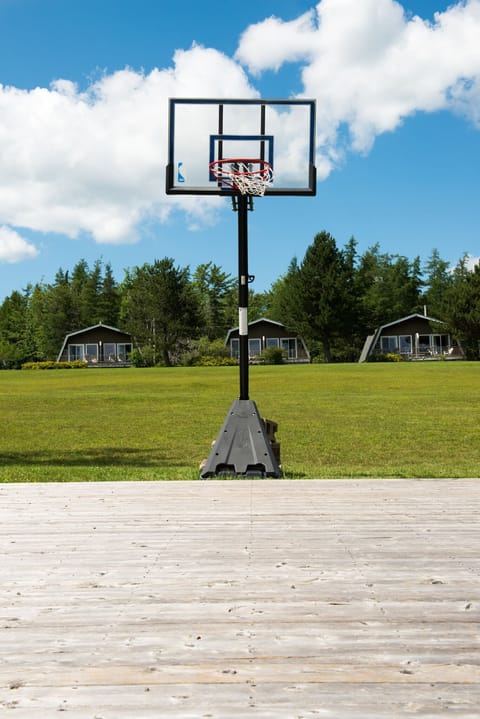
column 387, row 357
column 272, row 355
column 76, row 364
column 213, row 361
column 206, row 353
column 142, row 358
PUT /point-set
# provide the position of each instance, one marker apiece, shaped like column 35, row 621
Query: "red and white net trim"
column 249, row 177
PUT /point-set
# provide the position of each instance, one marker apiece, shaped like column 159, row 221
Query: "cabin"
column 264, row 333
column 414, row 337
column 98, row 346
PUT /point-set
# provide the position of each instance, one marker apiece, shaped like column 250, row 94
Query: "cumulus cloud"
column 471, row 262
column 370, row 66
column 13, row 247
column 93, row 161
column 271, row 43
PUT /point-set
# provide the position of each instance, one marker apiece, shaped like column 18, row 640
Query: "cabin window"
column 440, row 343
column 235, row 348
column 91, row 352
column 254, row 347
column 75, row 352
column 405, row 344
column 289, row 344
column 123, row 351
column 424, row 343
column 109, row 352
column 389, row 343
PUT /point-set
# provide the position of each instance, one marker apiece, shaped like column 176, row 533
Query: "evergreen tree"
column 463, row 308
column 351, row 342
column 57, row 313
column 17, row 342
column 76, row 283
column 258, row 305
column 317, row 296
column 109, row 300
column 40, row 321
column 160, row 308
column 389, row 287
column 282, row 298
column 90, row 296
column 438, row 281
column 214, row 289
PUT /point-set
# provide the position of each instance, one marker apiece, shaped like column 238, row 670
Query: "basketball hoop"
column 247, row 176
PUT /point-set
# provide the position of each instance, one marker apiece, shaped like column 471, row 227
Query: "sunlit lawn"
column 372, row 420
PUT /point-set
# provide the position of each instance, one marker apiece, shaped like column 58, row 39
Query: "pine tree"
column 17, row 342
column 438, row 281
column 463, row 307
column 58, row 314
column 160, row 308
column 214, row 288
column 90, row 296
column 389, row 287
column 109, row 300
column 317, row 296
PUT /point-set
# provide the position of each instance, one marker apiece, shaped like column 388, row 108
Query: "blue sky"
column 82, row 139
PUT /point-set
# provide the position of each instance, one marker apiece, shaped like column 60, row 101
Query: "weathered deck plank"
column 225, row 599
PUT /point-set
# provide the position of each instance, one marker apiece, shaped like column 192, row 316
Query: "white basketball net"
column 240, row 175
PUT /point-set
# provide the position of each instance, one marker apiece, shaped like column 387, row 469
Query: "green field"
column 371, row 420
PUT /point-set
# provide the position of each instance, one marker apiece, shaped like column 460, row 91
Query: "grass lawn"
column 372, row 420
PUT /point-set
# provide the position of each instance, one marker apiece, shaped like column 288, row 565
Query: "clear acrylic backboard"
column 202, row 131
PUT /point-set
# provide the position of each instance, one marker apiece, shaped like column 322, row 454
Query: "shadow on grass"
column 106, row 457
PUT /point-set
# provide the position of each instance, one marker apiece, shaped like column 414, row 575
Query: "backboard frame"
column 217, row 137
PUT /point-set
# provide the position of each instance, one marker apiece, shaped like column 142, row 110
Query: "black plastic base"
column 242, row 448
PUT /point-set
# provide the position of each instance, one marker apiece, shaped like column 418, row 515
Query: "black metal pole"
column 243, row 293
column 243, row 447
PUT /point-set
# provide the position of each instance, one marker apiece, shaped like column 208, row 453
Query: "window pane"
column 254, row 347
column 405, row 343
column 235, row 348
column 123, row 351
column 389, row 344
column 109, row 354
column 440, row 343
column 289, row 344
column 91, row 352
column 423, row 343
column 75, row 352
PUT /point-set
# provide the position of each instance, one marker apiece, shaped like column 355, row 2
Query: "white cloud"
column 13, row 247
column 471, row 262
column 370, row 66
column 94, row 161
column 269, row 44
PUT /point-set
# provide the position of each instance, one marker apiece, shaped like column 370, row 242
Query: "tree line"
column 334, row 297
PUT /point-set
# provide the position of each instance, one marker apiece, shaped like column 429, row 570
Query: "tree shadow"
column 104, row 457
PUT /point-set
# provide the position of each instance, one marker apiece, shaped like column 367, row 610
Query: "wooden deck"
column 240, row 599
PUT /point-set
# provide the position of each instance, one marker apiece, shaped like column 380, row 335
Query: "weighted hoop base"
column 242, row 448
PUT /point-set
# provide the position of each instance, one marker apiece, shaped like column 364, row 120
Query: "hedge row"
column 77, row 364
